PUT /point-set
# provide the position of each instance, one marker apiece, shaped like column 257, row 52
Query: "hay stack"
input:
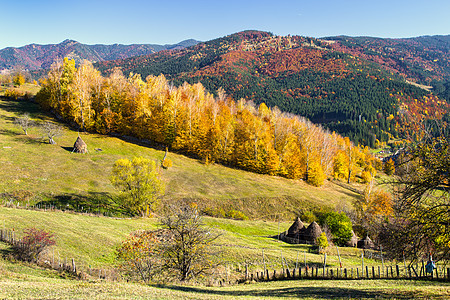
column 80, row 146
column 353, row 241
column 366, row 243
column 313, row 232
column 296, row 229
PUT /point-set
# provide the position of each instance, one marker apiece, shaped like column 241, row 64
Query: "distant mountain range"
column 36, row 57
column 360, row 87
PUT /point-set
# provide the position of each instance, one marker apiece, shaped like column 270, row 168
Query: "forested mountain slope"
column 319, row 79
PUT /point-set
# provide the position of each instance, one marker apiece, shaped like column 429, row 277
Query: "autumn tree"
column 372, row 207
column 139, row 256
column 139, row 181
column 389, row 167
column 18, row 79
column 85, row 83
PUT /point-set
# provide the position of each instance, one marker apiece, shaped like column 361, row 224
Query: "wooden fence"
column 366, row 272
column 54, row 261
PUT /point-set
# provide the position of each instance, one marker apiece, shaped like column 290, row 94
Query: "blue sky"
column 159, row 22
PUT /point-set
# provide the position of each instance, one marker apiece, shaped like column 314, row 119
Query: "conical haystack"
column 353, row 241
column 366, row 243
column 296, row 229
column 313, row 232
column 80, row 146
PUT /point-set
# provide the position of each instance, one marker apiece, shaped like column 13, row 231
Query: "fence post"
column 362, row 263
column 264, row 261
column 373, row 272
column 448, row 274
column 398, row 270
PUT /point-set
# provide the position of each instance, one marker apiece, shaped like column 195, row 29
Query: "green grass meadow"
column 30, row 164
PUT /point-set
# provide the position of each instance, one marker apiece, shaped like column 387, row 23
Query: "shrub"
column 322, row 242
column 11, row 93
column 214, row 212
column 167, row 163
column 34, row 242
column 236, row 214
column 307, row 216
column 340, row 226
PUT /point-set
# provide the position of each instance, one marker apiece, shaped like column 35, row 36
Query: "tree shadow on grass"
column 29, row 140
column 9, row 132
column 21, row 107
column 300, row 292
column 6, row 252
column 91, row 202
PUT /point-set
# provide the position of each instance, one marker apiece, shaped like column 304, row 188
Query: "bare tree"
column 188, row 252
column 50, row 131
column 24, row 122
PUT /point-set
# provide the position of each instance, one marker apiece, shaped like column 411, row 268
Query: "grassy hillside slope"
column 51, row 171
column 92, row 240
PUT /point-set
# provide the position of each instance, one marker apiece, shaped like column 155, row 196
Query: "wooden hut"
column 79, row 146
column 366, row 243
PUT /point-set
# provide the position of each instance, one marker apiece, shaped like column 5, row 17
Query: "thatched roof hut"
column 79, row 146
column 313, row 232
column 353, row 241
column 366, row 243
column 296, row 228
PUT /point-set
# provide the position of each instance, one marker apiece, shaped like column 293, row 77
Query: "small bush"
column 221, row 213
column 214, row 212
column 322, row 242
column 236, row 214
column 340, row 226
column 167, row 163
column 11, row 93
column 307, row 216
column 34, row 242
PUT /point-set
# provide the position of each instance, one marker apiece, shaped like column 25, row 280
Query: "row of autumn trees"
column 191, row 120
